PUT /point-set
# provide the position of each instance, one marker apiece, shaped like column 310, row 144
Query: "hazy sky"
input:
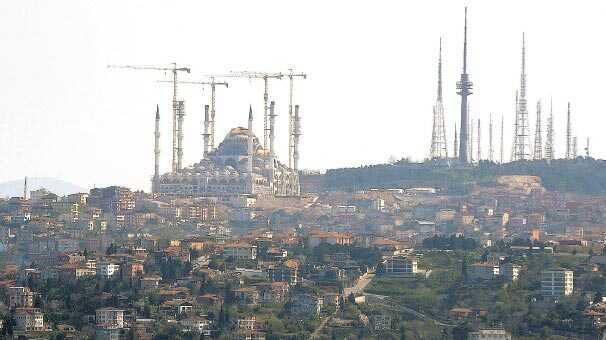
column 369, row 94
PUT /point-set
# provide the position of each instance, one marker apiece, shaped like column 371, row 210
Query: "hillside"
column 57, row 186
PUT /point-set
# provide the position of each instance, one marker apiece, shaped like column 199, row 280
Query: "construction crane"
column 174, row 70
column 292, row 138
column 265, row 76
column 209, row 143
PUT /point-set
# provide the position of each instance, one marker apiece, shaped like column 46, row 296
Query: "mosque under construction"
column 240, row 164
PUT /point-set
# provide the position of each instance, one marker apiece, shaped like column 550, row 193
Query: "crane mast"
column 292, row 120
column 175, row 105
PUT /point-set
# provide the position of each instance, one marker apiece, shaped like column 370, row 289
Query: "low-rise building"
column 20, row 297
column 490, row 334
column 109, row 317
column 240, row 251
column 400, row 265
column 29, row 319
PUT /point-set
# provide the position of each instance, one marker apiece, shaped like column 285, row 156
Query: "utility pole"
column 174, row 70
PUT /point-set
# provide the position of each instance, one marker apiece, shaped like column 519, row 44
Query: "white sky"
column 369, row 94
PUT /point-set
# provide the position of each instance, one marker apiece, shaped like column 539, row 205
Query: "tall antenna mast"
column 439, row 149
column 549, row 146
column 515, row 130
column 538, row 136
column 568, row 135
column 522, row 144
column 464, row 87
column 456, row 143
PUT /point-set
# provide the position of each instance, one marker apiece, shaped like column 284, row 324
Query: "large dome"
column 235, row 143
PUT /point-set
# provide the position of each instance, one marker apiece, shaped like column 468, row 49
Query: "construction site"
column 241, row 163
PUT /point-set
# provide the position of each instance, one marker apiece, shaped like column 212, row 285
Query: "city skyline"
column 94, row 126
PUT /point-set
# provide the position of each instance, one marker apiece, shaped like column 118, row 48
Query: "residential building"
column 240, row 251
column 400, row 265
column 29, row 319
column 557, row 282
column 20, row 297
column 490, row 334
column 109, row 317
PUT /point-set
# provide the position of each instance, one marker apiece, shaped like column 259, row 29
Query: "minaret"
column 155, row 180
column 479, row 141
column 490, row 146
column 249, row 167
column 180, row 114
column 25, row 189
column 438, row 133
column 272, row 139
column 568, row 135
column 464, row 86
column 272, row 133
column 502, row 139
column 206, row 133
column 297, row 137
column 587, row 148
column 522, row 144
column 456, row 143
column 574, row 148
column 549, row 146
column 538, row 136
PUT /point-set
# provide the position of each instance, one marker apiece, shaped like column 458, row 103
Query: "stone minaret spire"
column 272, row 133
column 156, row 178
column 249, row 167
column 180, row 115
column 464, row 86
column 206, row 133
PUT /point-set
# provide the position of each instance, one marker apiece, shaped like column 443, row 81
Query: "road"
column 316, row 333
column 358, row 288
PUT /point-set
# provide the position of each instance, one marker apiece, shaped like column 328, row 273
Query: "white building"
column 490, row 334
column 510, row 272
column 108, row 270
column 557, row 282
column 109, row 317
